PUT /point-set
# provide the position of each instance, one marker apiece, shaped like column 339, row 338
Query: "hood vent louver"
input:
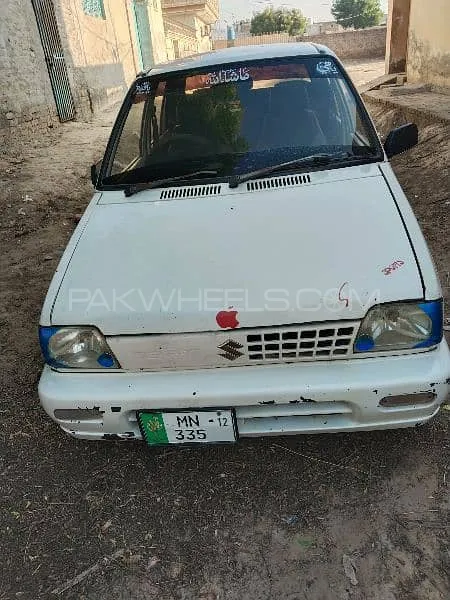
column 191, row 192
column 278, row 182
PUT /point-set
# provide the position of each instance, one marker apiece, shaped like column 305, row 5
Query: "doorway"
column 143, row 34
column 54, row 57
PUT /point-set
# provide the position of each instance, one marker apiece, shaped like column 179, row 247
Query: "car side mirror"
column 401, row 139
column 95, row 171
column 94, row 175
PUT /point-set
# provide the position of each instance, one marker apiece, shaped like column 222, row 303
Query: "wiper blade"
column 313, row 159
column 149, row 185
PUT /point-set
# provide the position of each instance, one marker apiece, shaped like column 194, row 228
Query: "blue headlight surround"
column 45, row 334
column 364, row 343
column 105, row 361
column 435, row 310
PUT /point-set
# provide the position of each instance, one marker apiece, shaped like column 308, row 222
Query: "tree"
column 281, row 20
column 213, row 113
column 357, row 13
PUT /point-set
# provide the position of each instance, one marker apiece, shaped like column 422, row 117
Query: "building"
column 107, row 42
column 243, row 28
column 63, row 59
column 181, row 40
column 418, row 40
column 188, row 26
column 322, row 27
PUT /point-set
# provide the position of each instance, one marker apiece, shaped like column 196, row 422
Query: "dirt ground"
column 363, row 71
column 341, row 517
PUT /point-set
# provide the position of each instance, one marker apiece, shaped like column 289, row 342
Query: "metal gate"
column 54, row 57
column 144, row 34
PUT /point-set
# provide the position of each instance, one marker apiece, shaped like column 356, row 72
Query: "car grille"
column 236, row 348
column 300, row 344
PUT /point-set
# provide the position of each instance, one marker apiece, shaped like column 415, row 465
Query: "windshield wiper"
column 313, row 159
column 149, row 185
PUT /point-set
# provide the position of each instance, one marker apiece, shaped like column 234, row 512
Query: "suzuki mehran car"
column 248, row 266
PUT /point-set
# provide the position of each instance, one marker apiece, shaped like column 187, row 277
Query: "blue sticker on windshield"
column 228, row 76
column 325, row 68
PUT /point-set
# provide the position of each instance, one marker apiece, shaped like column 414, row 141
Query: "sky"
column 317, row 10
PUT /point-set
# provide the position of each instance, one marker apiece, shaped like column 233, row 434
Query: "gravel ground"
column 315, row 517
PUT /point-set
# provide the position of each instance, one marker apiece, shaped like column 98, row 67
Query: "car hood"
column 325, row 250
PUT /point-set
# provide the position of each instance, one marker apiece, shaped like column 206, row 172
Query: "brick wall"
column 27, row 107
column 256, row 40
column 362, row 43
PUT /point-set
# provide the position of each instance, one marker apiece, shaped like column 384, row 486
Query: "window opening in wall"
column 94, row 8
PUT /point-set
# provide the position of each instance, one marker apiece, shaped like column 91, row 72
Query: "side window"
column 355, row 127
column 348, row 103
column 326, row 107
column 94, row 8
column 129, row 150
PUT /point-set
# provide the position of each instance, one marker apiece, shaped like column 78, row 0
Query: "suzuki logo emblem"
column 231, row 350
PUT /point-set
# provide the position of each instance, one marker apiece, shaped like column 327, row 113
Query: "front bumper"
column 269, row 400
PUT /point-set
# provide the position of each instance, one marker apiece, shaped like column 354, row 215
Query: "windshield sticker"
column 228, row 76
column 391, row 268
column 143, row 87
column 260, row 77
column 326, row 68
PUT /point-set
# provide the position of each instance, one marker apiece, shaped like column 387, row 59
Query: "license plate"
column 188, row 427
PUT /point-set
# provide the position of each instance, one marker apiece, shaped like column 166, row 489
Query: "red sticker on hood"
column 227, row 319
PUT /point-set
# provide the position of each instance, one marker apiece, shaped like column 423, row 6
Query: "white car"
column 248, row 265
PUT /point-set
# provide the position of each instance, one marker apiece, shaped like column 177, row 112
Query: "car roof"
column 239, row 54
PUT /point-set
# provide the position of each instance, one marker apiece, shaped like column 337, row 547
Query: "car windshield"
column 232, row 119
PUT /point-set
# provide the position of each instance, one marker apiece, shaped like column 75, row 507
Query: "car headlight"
column 76, row 348
column 401, row 326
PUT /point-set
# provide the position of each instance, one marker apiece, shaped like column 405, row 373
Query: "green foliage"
column 281, row 20
column 357, row 13
column 216, row 113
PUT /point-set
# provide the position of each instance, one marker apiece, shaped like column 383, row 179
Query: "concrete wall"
column 397, row 36
column 361, row 43
column 156, row 17
column 429, row 42
column 100, row 53
column 26, row 99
